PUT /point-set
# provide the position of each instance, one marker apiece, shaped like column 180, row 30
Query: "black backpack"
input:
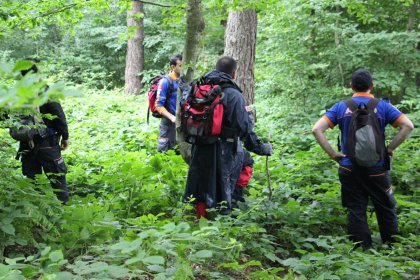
column 365, row 140
column 27, row 128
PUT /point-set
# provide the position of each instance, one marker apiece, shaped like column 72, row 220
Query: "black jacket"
column 215, row 168
column 57, row 125
column 236, row 119
column 59, row 122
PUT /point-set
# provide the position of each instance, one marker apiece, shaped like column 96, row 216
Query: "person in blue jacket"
column 359, row 183
column 166, row 104
column 215, row 168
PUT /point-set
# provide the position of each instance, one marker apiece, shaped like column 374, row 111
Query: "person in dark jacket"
column 244, row 177
column 215, row 168
column 45, row 153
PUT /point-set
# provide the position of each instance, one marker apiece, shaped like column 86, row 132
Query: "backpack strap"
column 171, row 88
column 171, row 85
column 350, row 103
column 372, row 104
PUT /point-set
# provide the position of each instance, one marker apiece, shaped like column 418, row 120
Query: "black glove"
column 266, row 149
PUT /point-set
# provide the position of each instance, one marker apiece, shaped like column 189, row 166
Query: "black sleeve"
column 59, row 123
column 252, row 143
column 242, row 122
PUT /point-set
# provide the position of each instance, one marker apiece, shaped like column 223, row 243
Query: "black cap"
column 361, row 80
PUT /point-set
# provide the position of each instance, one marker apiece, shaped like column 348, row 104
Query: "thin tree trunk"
column 134, row 64
column 412, row 17
column 338, row 42
column 195, row 27
column 240, row 43
column 411, row 23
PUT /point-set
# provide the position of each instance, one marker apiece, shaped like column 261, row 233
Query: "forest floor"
column 126, row 219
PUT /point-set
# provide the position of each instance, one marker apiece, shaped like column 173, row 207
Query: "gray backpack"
column 365, row 140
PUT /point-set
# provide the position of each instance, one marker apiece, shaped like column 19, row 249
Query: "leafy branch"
column 156, row 4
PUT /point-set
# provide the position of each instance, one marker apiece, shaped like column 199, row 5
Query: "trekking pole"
column 270, row 191
column 267, row 171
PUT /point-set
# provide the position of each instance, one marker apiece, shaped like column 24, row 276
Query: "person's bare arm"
column 319, row 132
column 406, row 126
column 169, row 116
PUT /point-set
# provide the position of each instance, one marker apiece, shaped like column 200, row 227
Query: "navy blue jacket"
column 215, row 168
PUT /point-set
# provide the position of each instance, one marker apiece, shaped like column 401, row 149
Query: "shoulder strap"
column 372, row 103
column 351, row 104
column 171, row 84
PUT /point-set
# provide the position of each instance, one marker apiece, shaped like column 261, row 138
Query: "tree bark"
column 240, row 43
column 338, row 9
column 411, row 24
column 134, row 64
column 411, row 27
column 195, row 27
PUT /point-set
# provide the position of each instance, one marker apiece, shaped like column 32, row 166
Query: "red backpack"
column 202, row 113
column 152, row 94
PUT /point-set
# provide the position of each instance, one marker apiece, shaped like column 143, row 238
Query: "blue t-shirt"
column 163, row 93
column 340, row 114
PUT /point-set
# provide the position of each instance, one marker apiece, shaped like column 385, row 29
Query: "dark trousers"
column 167, row 135
column 357, row 186
column 48, row 159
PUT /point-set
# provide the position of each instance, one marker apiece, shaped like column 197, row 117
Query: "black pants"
column 357, row 186
column 48, row 159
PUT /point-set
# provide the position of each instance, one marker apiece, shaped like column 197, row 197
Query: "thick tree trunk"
column 134, row 64
column 195, row 27
column 240, row 42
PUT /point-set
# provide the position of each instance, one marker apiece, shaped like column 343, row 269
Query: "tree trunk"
column 411, row 24
column 134, row 64
column 412, row 17
column 338, row 41
column 195, row 27
column 240, row 43
column 411, row 27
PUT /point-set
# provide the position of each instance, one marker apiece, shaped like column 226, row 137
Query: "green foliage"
column 314, row 48
column 126, row 218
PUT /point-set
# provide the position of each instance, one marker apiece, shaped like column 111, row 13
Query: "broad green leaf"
column 203, row 254
column 22, row 65
column 156, row 268
column 154, row 260
column 118, row 271
column 8, row 228
column 56, row 256
column 3, row 270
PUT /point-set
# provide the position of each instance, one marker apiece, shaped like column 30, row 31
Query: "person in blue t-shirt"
column 166, row 104
column 358, row 184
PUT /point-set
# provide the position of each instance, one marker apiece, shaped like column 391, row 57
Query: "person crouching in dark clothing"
column 243, row 180
column 214, row 168
column 45, row 152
